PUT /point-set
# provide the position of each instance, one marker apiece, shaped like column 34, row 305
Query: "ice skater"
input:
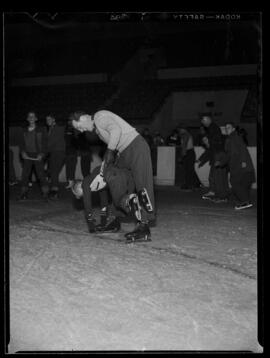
column 126, row 149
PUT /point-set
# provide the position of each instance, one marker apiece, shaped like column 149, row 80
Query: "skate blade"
column 134, row 241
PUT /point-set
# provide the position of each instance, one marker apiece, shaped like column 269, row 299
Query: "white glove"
column 98, row 183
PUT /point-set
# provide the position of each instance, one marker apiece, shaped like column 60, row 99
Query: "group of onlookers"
column 227, row 155
column 59, row 145
column 46, row 151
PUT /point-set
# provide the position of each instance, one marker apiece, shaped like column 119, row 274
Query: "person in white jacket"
column 126, row 148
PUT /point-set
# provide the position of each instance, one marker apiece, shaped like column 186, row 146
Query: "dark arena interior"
column 192, row 282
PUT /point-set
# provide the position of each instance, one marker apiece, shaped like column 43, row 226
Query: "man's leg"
column 27, row 167
column 241, row 186
column 86, row 159
column 12, row 175
column 221, row 182
column 137, row 158
column 71, row 162
column 39, row 167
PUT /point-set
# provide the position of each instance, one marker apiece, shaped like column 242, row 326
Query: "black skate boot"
column 91, row 223
column 112, row 225
column 103, row 219
column 141, row 233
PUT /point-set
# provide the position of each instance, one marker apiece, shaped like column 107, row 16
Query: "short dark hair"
column 75, row 116
column 31, row 111
column 50, row 115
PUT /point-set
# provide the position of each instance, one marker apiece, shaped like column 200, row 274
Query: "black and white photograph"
column 133, row 181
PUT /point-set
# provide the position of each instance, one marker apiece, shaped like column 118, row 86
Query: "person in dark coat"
column 218, row 176
column 33, row 148
column 242, row 172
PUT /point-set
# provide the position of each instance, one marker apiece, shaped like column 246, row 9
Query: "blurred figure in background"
column 33, row 148
column 243, row 134
column 158, row 140
column 71, row 141
column 218, row 177
column 191, row 180
column 55, row 153
column 147, row 136
column 173, row 139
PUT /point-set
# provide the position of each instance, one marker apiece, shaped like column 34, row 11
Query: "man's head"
column 230, row 128
column 50, row 120
column 31, row 118
column 82, row 122
column 206, row 121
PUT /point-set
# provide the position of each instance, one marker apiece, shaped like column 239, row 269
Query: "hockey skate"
column 139, row 234
column 91, row 223
column 111, row 225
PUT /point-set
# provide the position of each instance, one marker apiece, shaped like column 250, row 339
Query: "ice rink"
column 193, row 287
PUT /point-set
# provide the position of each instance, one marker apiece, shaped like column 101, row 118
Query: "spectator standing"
column 33, row 148
column 242, row 173
column 56, row 152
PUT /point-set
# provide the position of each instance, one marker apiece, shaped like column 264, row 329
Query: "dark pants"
column 86, row 159
column 241, row 186
column 191, row 178
column 12, row 175
column 120, row 182
column 87, row 193
column 39, row 168
column 55, row 161
column 71, row 162
column 137, row 158
column 218, row 181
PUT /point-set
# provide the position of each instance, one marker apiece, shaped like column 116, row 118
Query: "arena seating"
column 138, row 102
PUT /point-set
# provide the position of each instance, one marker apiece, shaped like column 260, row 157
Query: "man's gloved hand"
column 109, row 157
